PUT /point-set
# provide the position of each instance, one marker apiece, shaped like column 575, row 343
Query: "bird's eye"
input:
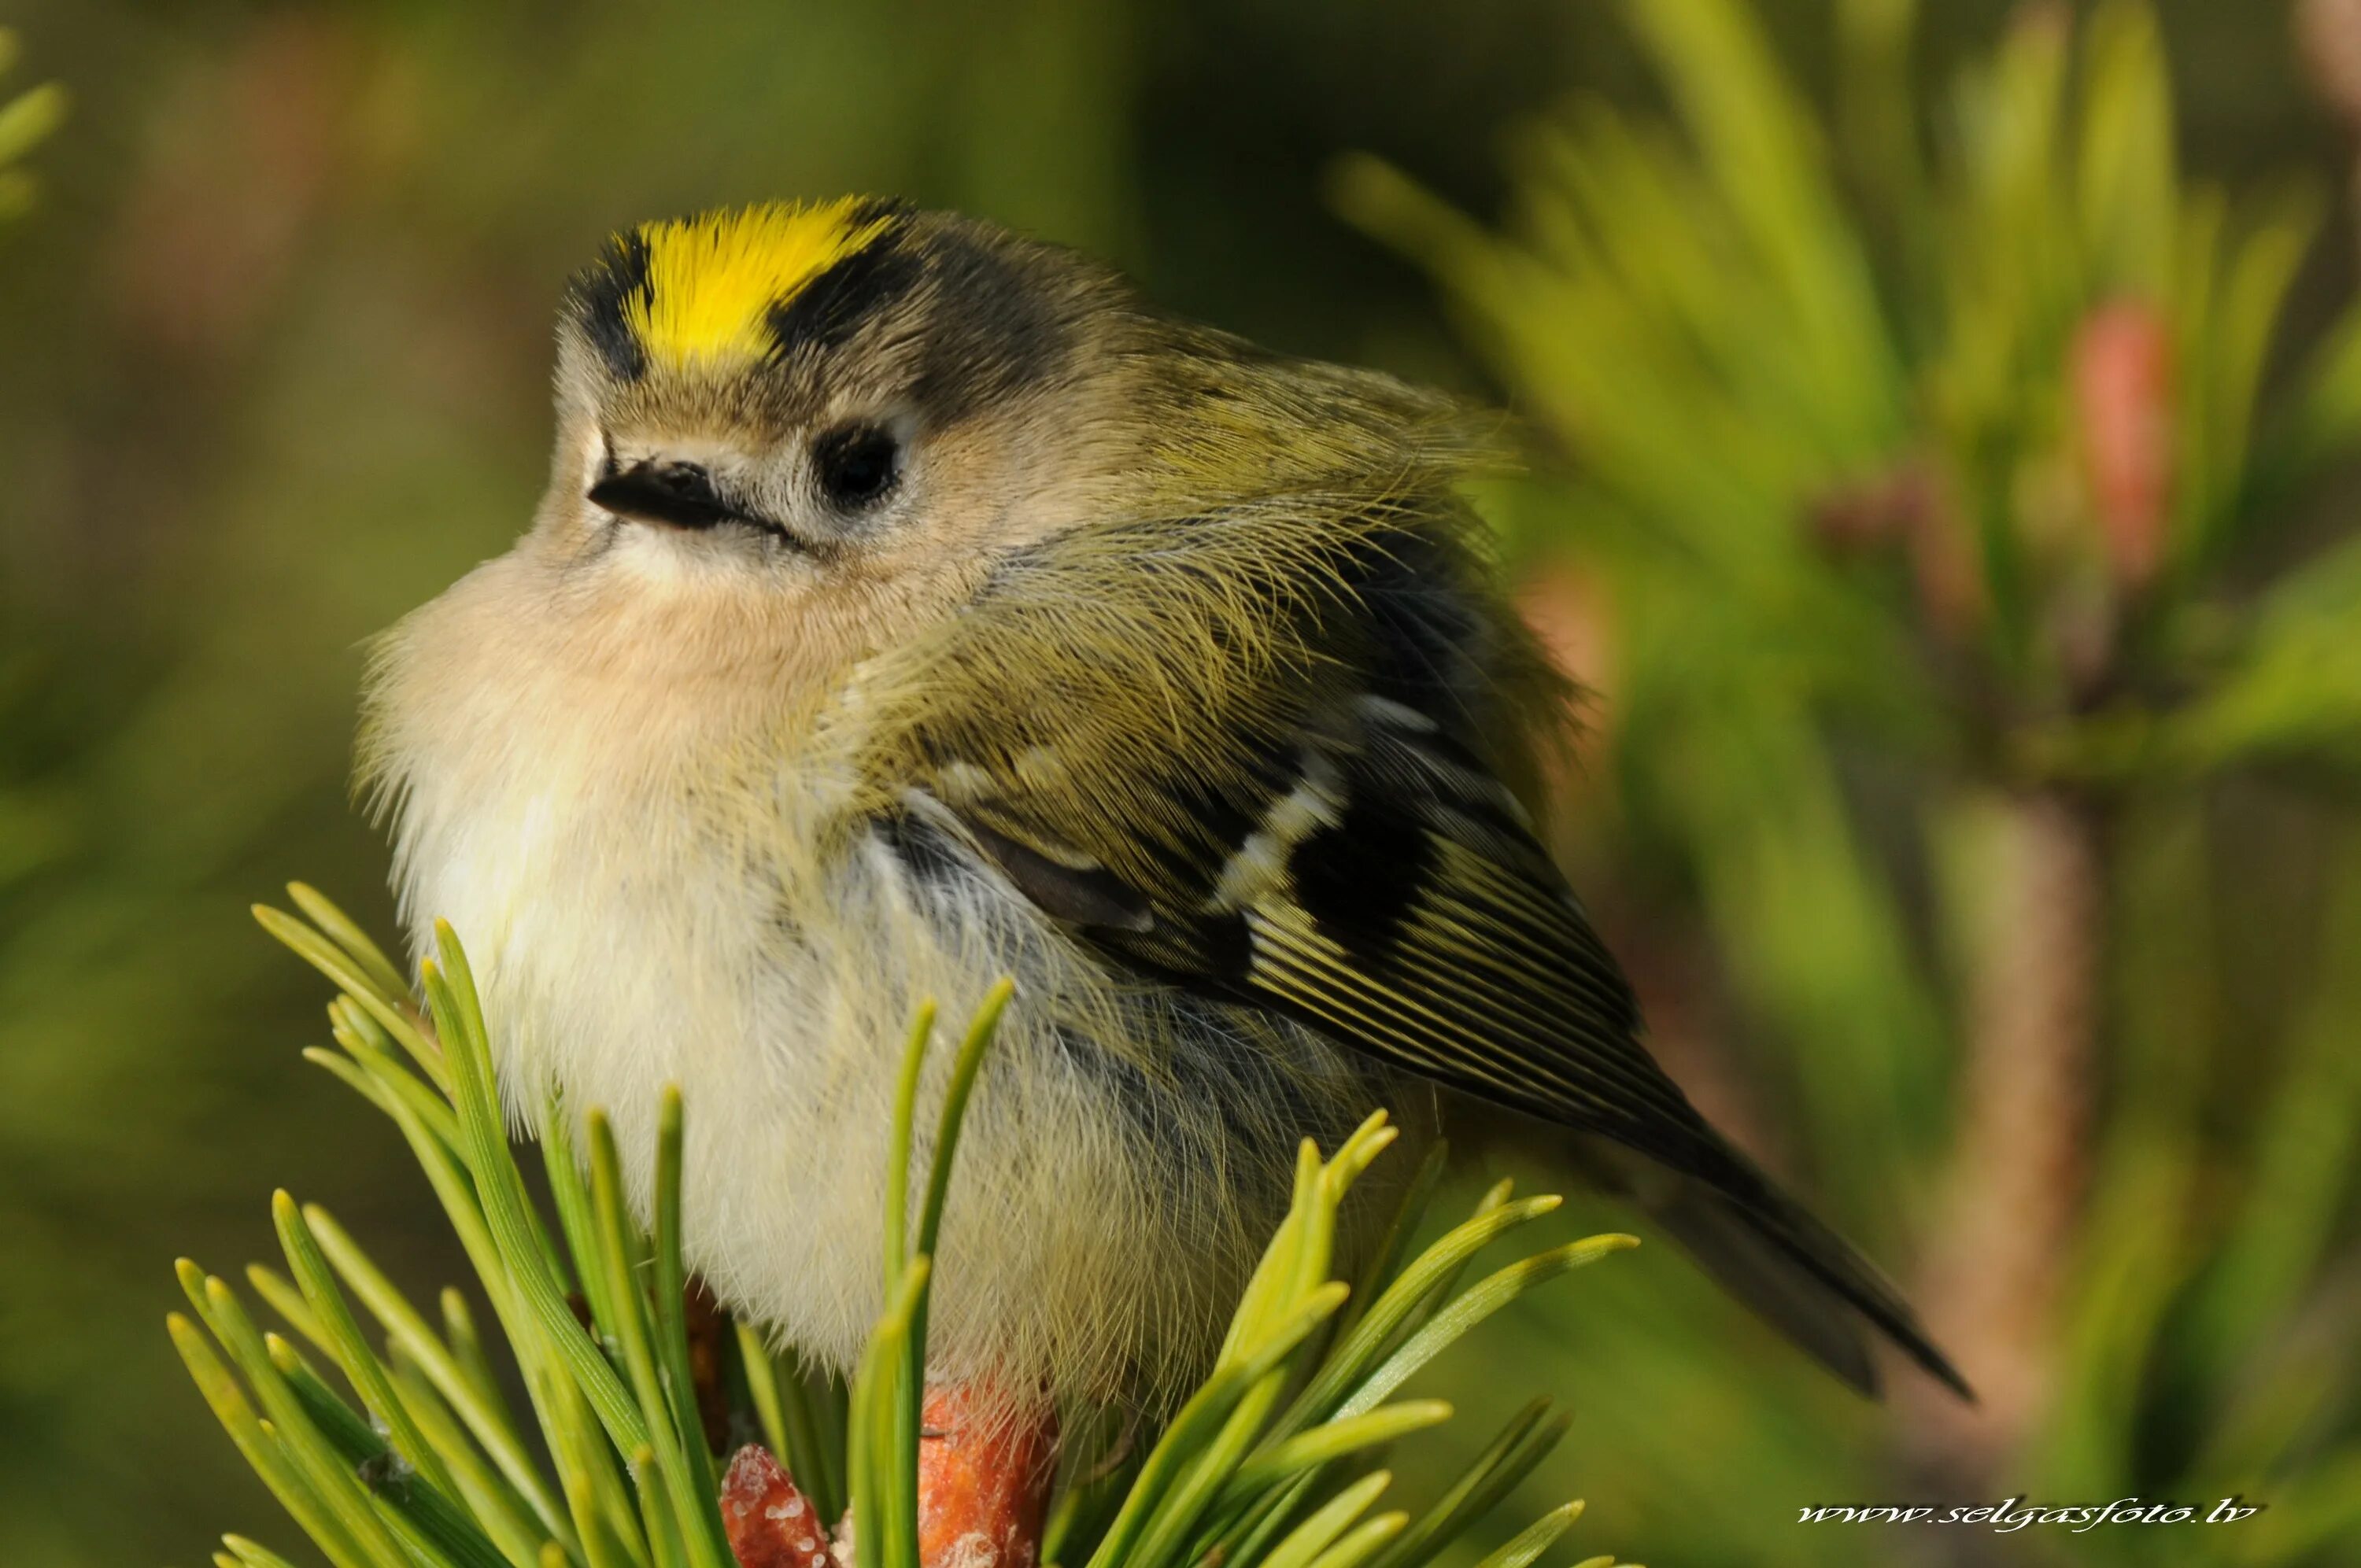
column 857, row 464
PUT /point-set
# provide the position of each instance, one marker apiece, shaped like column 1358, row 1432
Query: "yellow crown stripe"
column 713, row 279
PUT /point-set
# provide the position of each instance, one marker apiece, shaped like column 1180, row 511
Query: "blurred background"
column 1945, row 480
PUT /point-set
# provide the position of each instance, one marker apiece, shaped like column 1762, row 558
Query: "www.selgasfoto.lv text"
column 2015, row 1513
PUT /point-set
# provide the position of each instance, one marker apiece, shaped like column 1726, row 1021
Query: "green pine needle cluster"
column 420, row 1460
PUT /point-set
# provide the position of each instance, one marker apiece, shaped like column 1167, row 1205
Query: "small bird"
column 912, row 605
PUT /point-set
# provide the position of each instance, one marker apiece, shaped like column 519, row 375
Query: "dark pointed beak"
column 671, row 495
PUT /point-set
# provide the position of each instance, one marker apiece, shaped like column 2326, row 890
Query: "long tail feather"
column 1770, row 1253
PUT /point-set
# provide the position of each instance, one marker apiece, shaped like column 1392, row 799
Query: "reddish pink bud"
column 769, row 1522
column 2329, row 34
column 984, row 1469
column 2122, row 402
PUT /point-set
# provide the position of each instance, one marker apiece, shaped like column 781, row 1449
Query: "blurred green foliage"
column 276, row 334
column 1910, row 474
column 27, row 119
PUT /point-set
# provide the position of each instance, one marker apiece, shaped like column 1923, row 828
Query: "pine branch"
column 421, row 1463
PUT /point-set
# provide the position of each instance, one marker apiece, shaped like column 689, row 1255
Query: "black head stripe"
column 1000, row 337
column 877, row 210
column 599, row 294
column 827, row 310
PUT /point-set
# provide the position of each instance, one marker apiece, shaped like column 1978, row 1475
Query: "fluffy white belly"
column 1125, row 1157
column 657, row 882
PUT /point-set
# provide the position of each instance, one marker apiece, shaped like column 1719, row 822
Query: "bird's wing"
column 1255, row 764
column 1261, row 758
